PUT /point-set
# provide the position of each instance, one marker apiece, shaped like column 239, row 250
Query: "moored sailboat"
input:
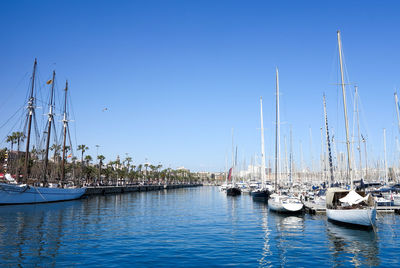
column 278, row 202
column 262, row 192
column 16, row 192
column 346, row 206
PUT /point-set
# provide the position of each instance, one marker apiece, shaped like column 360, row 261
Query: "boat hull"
column 25, row 194
column 260, row 194
column 362, row 217
column 233, row 191
column 281, row 207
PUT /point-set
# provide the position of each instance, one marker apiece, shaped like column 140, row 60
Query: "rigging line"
column 69, row 139
column 12, row 116
column 36, row 129
column 73, row 114
column 12, row 91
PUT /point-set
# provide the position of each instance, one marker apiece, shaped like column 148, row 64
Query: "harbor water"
column 189, row 227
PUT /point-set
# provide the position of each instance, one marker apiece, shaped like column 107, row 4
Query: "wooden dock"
column 313, row 208
column 103, row 190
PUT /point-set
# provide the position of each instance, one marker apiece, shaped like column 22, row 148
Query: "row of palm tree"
column 85, row 172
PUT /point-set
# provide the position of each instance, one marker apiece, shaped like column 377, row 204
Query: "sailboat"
column 349, row 206
column 262, row 192
column 278, row 202
column 15, row 192
column 232, row 189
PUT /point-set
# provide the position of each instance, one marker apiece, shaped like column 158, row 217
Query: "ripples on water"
column 185, row 227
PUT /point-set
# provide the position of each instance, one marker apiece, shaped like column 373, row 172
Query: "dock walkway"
column 102, row 190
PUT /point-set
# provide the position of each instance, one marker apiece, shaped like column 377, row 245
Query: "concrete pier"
column 102, row 190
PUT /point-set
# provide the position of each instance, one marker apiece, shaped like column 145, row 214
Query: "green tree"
column 11, row 140
column 83, row 148
column 101, row 159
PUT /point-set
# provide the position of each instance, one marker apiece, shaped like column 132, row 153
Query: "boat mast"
column 358, row 127
column 31, row 109
column 65, row 125
column 384, row 150
column 328, row 142
column 345, row 111
column 262, row 147
column 291, row 159
column 277, row 133
column 50, row 118
column 397, row 109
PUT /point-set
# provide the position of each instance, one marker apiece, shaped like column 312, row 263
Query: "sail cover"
column 353, row 198
column 230, row 174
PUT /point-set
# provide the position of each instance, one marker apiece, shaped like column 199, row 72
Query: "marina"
column 199, row 134
column 194, row 227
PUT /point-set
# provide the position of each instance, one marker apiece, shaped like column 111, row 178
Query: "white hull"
column 284, row 206
column 364, row 217
column 24, row 194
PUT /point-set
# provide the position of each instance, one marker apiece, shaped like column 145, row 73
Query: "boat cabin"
column 341, row 198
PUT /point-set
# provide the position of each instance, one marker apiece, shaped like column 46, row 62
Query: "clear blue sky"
column 176, row 76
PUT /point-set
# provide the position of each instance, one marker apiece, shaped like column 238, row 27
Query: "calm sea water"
column 195, row 227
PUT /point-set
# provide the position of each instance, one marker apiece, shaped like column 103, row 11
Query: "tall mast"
column 286, row 159
column 345, row 111
column 31, row 109
column 311, row 153
column 50, row 117
column 291, row 159
column 277, row 133
column 358, row 128
column 328, row 142
column 262, row 146
column 397, row 109
column 384, row 150
column 65, row 125
column 322, row 158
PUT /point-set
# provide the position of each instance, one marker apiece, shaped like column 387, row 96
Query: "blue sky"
column 177, row 76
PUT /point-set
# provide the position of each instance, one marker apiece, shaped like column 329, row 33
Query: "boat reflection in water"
column 359, row 247
column 282, row 233
column 33, row 234
column 265, row 259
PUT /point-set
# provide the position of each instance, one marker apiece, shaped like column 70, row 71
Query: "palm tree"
column 88, row 159
column 11, row 140
column 82, row 148
column 128, row 160
column 100, row 158
column 56, row 148
column 19, row 137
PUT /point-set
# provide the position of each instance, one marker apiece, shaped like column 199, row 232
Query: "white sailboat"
column 278, row 202
column 345, row 206
column 23, row 193
column 264, row 190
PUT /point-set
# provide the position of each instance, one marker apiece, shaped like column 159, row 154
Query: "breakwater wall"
column 102, row 190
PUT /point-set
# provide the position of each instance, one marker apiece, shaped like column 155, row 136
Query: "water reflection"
column 265, row 260
column 33, row 233
column 360, row 247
